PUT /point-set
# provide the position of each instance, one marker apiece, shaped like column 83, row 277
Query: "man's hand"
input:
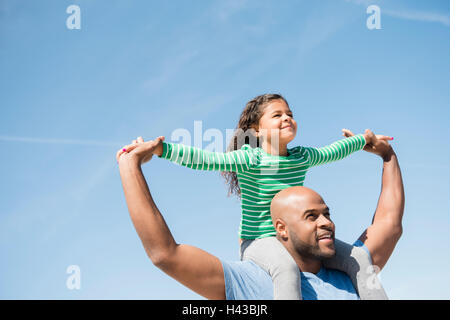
column 140, row 151
column 377, row 144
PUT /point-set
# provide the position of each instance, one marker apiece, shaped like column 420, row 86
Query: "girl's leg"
column 356, row 263
column 273, row 257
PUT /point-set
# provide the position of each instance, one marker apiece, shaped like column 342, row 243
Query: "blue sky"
column 71, row 98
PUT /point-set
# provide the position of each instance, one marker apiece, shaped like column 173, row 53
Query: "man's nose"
column 324, row 222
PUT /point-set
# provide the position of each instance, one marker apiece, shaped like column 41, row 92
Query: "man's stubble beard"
column 308, row 251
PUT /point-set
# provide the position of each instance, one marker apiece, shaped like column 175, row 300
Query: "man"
column 303, row 225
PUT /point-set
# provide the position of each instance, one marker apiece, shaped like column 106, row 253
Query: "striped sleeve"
column 335, row 151
column 195, row 158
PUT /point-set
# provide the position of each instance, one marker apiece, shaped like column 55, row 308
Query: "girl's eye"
column 276, row 115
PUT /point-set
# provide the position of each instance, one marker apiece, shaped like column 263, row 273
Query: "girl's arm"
column 336, row 151
column 195, row 158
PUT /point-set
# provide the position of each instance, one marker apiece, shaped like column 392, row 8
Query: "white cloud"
column 226, row 9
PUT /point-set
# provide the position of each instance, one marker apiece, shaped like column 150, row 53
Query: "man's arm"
column 193, row 267
column 382, row 236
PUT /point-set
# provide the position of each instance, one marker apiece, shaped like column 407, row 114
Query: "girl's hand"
column 377, row 144
column 140, row 150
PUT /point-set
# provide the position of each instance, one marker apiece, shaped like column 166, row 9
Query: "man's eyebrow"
column 309, row 211
column 326, row 209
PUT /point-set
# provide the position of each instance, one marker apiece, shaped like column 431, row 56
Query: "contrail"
column 62, row 141
column 407, row 14
column 420, row 16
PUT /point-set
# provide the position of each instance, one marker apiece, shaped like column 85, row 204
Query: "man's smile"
column 326, row 237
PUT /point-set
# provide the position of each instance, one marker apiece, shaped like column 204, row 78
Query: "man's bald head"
column 293, row 200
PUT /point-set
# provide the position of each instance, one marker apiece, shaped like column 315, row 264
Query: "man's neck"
column 306, row 264
column 312, row 266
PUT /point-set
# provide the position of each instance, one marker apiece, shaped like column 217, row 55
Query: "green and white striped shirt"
column 261, row 175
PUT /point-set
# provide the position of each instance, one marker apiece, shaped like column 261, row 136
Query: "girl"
column 258, row 165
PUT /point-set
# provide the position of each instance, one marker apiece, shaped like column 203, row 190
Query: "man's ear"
column 281, row 228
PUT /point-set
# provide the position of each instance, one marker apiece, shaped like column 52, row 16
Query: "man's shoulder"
column 328, row 284
column 244, row 280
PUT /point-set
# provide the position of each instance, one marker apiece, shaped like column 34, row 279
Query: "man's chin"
column 327, row 250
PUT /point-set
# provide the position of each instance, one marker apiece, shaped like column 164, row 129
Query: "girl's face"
column 277, row 122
